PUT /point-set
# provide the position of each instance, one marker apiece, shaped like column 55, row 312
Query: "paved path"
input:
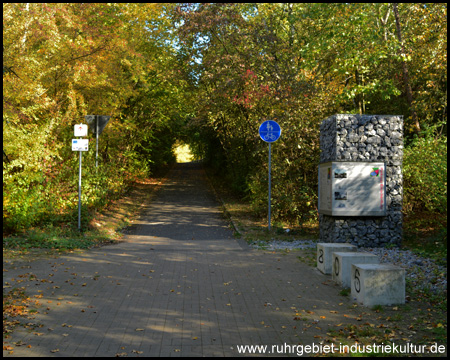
column 179, row 285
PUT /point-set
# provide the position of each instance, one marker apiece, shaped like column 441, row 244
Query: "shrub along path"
column 180, row 284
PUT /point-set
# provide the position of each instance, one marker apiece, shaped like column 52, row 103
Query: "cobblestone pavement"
column 179, row 285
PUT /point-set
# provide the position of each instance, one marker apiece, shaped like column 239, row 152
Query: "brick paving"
column 179, row 285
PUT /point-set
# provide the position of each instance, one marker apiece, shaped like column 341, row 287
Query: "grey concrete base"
column 324, row 254
column 373, row 284
column 342, row 265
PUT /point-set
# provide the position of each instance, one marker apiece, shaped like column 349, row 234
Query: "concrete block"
column 373, row 284
column 325, row 251
column 342, row 265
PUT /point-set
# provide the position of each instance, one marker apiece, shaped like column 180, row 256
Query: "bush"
column 47, row 193
column 425, row 175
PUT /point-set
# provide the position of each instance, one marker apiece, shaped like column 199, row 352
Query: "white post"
column 96, row 142
column 79, row 194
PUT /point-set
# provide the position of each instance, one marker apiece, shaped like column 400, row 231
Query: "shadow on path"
column 179, row 285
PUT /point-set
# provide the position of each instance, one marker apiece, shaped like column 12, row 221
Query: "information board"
column 352, row 189
column 80, row 144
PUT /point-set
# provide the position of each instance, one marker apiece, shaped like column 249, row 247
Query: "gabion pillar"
column 365, row 138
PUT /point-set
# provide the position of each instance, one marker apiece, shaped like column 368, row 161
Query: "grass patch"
column 99, row 227
column 426, row 235
column 54, row 239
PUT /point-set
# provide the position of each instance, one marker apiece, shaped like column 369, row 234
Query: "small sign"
column 80, row 130
column 102, row 120
column 269, row 131
column 80, row 144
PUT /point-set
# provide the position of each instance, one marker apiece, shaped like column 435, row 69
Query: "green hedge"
column 425, row 175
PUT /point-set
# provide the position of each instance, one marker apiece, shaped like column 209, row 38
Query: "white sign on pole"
column 80, row 130
column 80, row 144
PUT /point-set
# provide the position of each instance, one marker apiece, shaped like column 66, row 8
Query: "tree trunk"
column 409, row 95
column 358, row 96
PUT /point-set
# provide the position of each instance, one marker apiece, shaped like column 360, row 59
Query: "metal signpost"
column 80, row 145
column 270, row 132
column 97, row 124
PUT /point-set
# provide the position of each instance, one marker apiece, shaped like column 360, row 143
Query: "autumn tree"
column 297, row 64
column 209, row 74
column 64, row 61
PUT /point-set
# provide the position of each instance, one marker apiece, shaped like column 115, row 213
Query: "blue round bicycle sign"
column 270, row 131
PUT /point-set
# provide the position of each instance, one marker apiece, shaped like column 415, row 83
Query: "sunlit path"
column 179, row 284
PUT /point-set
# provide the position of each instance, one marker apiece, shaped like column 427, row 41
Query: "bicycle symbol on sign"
column 270, row 137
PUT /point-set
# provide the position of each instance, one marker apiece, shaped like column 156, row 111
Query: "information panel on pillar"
column 352, row 188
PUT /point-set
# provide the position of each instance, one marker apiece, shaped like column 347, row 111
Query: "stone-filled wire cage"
column 365, row 138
